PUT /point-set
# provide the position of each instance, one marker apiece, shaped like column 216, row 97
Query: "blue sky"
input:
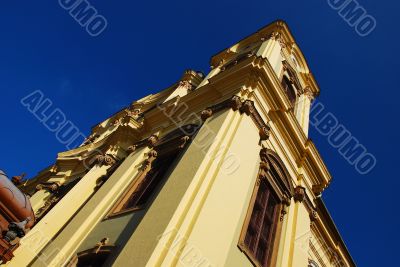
column 148, row 44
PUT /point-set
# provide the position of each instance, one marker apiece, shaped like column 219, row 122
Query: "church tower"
column 216, row 170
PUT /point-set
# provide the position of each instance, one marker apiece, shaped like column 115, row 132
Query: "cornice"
column 279, row 31
column 119, row 135
column 325, row 224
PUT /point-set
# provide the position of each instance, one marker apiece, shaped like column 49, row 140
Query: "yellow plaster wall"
column 143, row 241
column 67, row 242
column 38, row 199
column 45, row 230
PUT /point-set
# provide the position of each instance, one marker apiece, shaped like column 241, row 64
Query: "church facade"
column 216, row 170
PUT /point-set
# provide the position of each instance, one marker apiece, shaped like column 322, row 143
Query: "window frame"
column 171, row 144
column 291, row 75
column 282, row 188
column 277, row 224
column 118, row 207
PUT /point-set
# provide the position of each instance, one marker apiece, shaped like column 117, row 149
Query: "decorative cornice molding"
column 237, row 59
column 234, row 103
column 90, row 139
column 277, row 36
column 246, row 107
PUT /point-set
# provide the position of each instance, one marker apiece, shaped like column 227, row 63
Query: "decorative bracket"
column 105, row 159
column 149, row 142
column 299, row 194
column 313, row 216
column 246, row 107
column 285, row 207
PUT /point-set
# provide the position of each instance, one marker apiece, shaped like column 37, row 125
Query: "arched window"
column 271, row 196
column 290, row 82
column 154, row 170
column 289, row 89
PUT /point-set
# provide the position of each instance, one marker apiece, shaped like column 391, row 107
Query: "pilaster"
column 271, row 49
column 51, row 224
column 300, row 231
column 302, row 110
column 94, row 211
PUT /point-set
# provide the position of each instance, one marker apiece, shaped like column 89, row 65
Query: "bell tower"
column 215, row 170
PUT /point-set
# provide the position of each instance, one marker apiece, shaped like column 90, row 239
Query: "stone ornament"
column 184, row 141
column 152, row 140
column 101, row 244
column 264, row 165
column 264, row 133
column 236, row 103
column 186, row 85
column 309, row 94
column 132, row 113
column 205, row 114
column 151, row 156
column 247, row 107
column 131, row 149
column 313, row 215
column 285, row 207
column 51, row 187
column 104, row 160
column 299, row 194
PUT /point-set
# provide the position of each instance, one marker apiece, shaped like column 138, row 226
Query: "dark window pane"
column 150, row 182
column 261, row 229
column 289, row 89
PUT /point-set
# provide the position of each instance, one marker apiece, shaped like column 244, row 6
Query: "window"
column 271, row 196
column 154, row 170
column 289, row 89
column 146, row 183
column 260, row 233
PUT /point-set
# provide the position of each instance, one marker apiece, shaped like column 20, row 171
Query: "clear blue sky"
column 148, row 44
